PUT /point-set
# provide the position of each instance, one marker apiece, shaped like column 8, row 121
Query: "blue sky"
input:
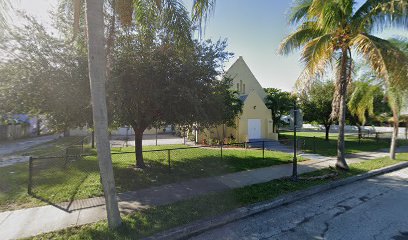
column 253, row 29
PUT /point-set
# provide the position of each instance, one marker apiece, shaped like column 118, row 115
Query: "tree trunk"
column 97, row 76
column 93, row 138
column 327, row 127
column 139, row 147
column 38, row 125
column 393, row 146
column 274, row 123
column 67, row 132
column 341, row 160
column 360, row 134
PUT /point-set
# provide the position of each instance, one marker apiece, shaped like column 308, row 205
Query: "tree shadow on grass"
column 63, row 184
column 60, row 183
column 189, row 164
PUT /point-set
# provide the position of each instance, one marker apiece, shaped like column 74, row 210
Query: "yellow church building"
column 255, row 121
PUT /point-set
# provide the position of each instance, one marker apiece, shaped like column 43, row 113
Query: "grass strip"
column 156, row 219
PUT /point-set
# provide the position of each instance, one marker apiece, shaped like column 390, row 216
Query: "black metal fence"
column 311, row 143
column 61, row 179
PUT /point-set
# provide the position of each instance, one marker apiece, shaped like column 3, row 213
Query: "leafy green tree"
column 44, row 75
column 280, row 103
column 97, row 68
column 329, row 30
column 158, row 83
column 316, row 104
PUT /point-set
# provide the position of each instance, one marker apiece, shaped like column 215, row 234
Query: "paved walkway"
column 33, row 221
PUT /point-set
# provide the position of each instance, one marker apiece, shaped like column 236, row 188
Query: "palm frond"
column 304, row 34
column 390, row 63
column 395, row 98
column 201, row 11
column 5, row 6
column 176, row 20
column 401, row 43
column 169, row 17
column 381, row 14
column 298, row 12
column 362, row 101
column 328, row 15
column 317, row 54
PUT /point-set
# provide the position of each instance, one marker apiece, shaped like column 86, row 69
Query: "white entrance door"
column 254, row 128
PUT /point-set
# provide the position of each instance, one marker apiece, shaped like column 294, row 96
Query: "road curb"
column 199, row 226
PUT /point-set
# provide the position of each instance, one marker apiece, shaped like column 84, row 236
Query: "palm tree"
column 361, row 102
column 97, row 73
column 395, row 99
column 97, row 77
column 329, row 31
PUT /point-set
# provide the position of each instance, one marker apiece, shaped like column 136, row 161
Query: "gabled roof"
column 239, row 71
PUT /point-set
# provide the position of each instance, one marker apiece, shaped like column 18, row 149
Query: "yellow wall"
column 241, row 74
column 254, row 108
column 240, row 132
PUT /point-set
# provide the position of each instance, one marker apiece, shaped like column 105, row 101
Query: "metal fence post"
column 294, row 169
column 221, row 150
column 82, row 145
column 314, row 144
column 263, row 150
column 30, row 175
column 168, row 158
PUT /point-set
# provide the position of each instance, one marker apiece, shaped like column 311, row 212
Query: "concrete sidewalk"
column 33, row 221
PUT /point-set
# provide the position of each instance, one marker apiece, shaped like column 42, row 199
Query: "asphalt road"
column 375, row 208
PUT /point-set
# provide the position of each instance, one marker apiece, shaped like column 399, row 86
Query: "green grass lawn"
column 315, row 143
column 55, row 182
column 156, row 219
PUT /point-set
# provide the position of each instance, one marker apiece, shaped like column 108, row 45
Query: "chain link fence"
column 60, row 180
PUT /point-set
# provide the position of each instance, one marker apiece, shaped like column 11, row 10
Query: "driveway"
column 8, row 148
column 371, row 209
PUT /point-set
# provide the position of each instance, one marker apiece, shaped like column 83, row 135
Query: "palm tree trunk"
column 341, row 160
column 393, row 146
column 97, row 76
